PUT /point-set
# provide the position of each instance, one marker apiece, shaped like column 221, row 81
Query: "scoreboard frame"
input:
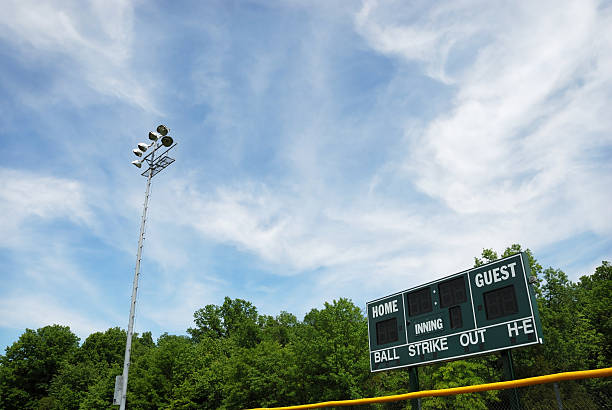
column 477, row 311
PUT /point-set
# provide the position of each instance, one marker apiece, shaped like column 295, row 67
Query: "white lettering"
column 430, row 325
column 495, row 275
column 525, row 325
column 504, row 272
column 430, row 346
column 512, row 268
column 385, row 355
column 411, row 350
column 384, row 309
column 487, row 277
column 472, row 337
column 513, row 327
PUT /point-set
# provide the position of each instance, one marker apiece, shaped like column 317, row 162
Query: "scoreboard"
column 482, row 310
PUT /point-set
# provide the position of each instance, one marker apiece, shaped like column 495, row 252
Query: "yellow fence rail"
column 530, row 381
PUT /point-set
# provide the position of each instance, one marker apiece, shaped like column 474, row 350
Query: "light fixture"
column 167, row 140
column 137, row 152
column 162, row 129
column 153, row 136
column 142, row 146
column 137, row 163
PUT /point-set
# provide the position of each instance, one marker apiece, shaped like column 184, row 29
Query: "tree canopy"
column 234, row 357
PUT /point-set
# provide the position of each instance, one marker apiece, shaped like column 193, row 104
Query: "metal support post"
column 414, row 386
column 515, row 402
column 558, row 396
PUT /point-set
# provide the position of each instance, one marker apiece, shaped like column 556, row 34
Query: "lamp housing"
column 142, row 146
column 167, row 140
column 162, row 129
column 137, row 152
column 137, row 163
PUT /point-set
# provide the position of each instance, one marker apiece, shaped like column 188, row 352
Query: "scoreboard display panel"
column 485, row 309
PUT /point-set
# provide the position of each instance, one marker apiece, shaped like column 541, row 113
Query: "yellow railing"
column 549, row 378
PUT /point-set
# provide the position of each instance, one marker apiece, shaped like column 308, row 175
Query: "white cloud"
column 30, row 310
column 529, row 111
column 26, row 196
column 89, row 43
column 518, row 155
column 513, row 161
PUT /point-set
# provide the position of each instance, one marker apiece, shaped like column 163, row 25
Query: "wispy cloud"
column 91, row 43
column 38, row 310
column 325, row 149
column 26, row 196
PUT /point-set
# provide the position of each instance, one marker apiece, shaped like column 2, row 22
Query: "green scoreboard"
column 481, row 310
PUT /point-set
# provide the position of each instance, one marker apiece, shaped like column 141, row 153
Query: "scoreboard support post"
column 414, row 387
column 515, row 403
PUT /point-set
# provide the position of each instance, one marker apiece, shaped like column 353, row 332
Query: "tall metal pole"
column 128, row 343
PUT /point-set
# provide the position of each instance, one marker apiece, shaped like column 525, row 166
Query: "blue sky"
column 326, row 149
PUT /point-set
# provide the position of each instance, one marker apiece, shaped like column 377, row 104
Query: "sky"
column 326, row 149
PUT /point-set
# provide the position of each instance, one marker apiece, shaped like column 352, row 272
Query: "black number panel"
column 386, row 331
column 500, row 302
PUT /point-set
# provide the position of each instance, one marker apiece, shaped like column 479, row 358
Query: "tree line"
column 235, row 357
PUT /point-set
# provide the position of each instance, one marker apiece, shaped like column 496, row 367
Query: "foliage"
column 31, row 363
column 233, row 357
column 456, row 374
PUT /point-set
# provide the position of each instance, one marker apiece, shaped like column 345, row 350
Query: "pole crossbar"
column 530, row 381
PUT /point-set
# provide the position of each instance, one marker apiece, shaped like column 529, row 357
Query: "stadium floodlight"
column 137, row 163
column 137, row 152
column 162, row 129
column 142, row 146
column 167, row 140
column 153, row 136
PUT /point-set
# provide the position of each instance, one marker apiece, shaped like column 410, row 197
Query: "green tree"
column 461, row 373
column 261, row 376
column 280, row 329
column 595, row 299
column 235, row 318
column 31, row 363
column 154, row 376
column 204, row 387
column 332, row 353
column 87, row 380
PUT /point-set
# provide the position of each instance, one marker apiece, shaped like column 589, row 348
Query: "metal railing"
column 534, row 393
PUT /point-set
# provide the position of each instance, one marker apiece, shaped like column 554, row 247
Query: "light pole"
column 160, row 140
